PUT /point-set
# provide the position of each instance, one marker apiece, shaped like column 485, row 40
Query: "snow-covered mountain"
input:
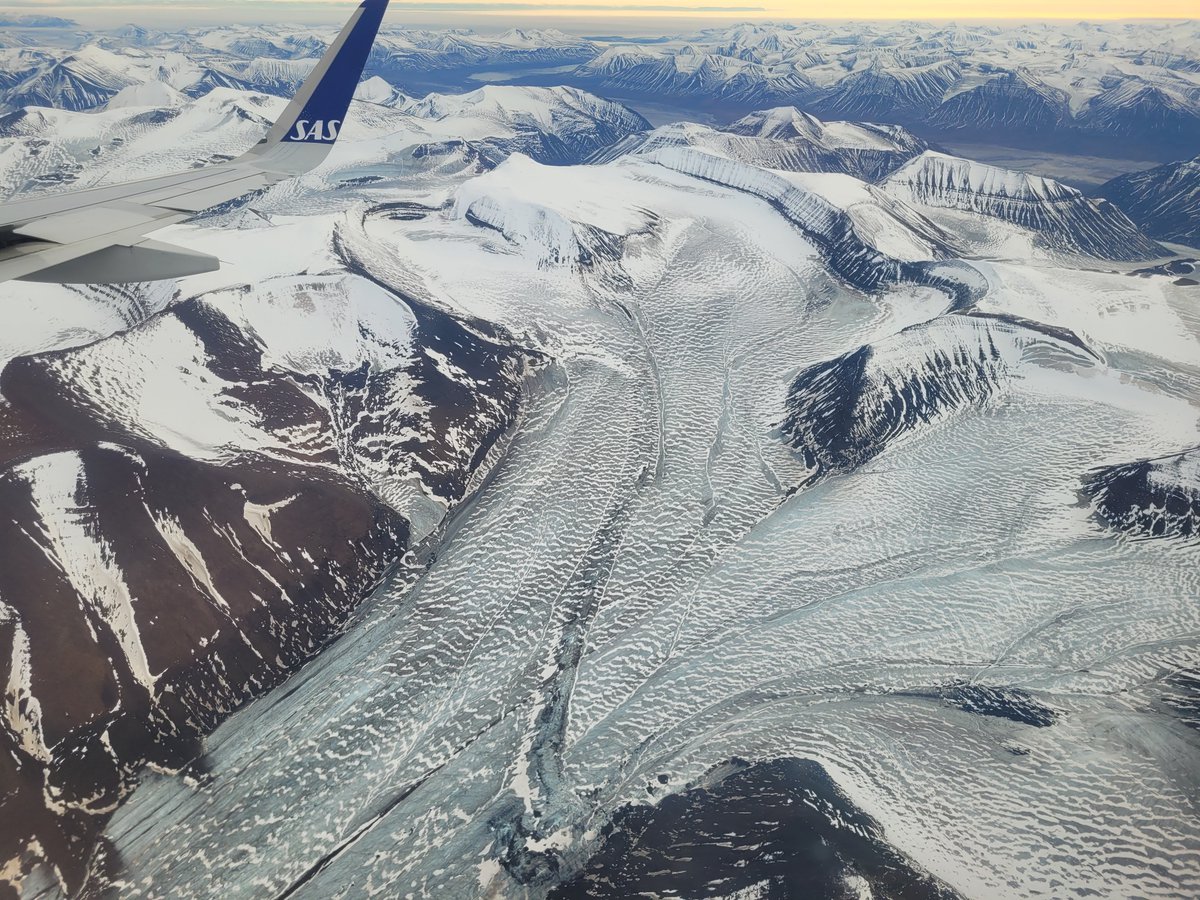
column 843, row 413
column 407, row 52
column 1140, row 110
column 151, row 126
column 90, row 75
column 79, row 80
column 142, row 125
column 1018, row 83
column 1060, row 217
column 270, row 60
column 376, row 90
column 863, row 235
column 693, row 73
column 1085, row 85
column 195, row 508
column 1164, row 200
column 1010, row 101
column 785, row 138
column 880, row 94
column 557, row 124
column 36, row 21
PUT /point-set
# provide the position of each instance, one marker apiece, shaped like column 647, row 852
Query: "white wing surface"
column 99, row 235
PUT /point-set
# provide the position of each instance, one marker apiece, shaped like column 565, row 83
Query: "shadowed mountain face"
column 845, row 412
column 775, row 830
column 1014, row 100
column 1060, row 216
column 1158, row 498
column 880, row 93
column 1164, row 201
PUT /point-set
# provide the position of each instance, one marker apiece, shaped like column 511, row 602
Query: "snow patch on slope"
column 158, row 384
column 59, row 488
column 312, row 324
column 559, row 214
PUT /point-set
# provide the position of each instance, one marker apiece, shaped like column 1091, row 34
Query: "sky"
column 871, row 9
column 456, row 11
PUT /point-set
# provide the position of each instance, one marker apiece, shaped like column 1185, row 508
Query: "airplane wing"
column 98, row 235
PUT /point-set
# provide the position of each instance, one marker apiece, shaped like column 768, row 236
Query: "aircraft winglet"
column 316, row 113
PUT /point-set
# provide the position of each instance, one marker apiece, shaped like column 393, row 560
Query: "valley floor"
column 1080, row 171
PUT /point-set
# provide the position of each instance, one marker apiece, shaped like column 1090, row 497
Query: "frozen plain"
column 639, row 593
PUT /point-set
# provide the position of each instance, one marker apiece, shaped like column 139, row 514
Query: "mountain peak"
column 778, row 122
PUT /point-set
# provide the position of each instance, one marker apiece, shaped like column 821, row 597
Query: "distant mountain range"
column 36, row 21
column 1079, row 87
column 152, row 125
column 1118, row 88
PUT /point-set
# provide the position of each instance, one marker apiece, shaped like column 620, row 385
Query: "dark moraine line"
column 1010, row 703
column 1066, row 335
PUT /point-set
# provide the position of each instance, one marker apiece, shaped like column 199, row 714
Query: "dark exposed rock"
column 782, row 828
column 844, row 412
column 1157, row 498
column 1013, row 704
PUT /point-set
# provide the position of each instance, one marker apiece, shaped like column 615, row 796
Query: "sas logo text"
column 319, row 131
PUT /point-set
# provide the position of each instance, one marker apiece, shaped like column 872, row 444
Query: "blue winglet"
column 316, row 113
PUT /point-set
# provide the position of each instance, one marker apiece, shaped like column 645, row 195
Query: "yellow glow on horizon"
column 1031, row 10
